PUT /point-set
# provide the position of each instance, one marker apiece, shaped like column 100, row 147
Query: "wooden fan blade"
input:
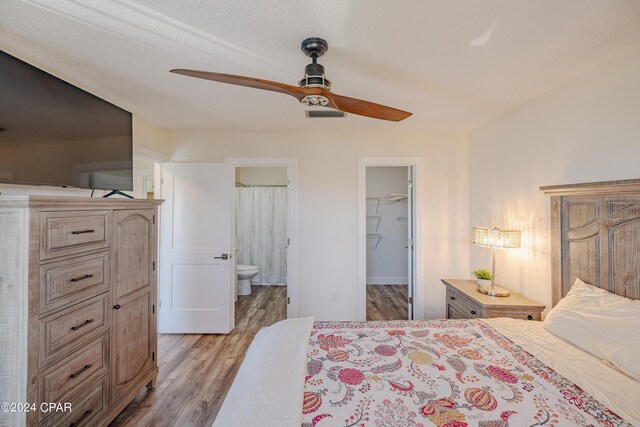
column 294, row 91
column 365, row 108
column 339, row 102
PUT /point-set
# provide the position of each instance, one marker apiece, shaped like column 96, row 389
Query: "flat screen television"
column 53, row 133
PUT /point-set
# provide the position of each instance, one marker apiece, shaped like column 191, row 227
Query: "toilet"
column 245, row 273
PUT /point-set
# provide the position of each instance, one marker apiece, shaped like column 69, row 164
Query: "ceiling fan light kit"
column 314, row 88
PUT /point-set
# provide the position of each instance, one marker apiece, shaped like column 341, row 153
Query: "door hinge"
column 154, row 219
column 153, row 309
column 153, row 265
column 153, row 356
column 288, row 300
column 410, row 300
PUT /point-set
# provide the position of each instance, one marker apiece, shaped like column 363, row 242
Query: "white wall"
column 327, row 204
column 387, row 263
column 142, row 170
column 150, row 137
column 586, row 131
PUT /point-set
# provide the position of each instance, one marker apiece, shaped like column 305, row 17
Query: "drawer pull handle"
column 77, row 279
column 77, row 374
column 452, row 298
column 529, row 317
column 83, row 231
column 86, row 322
column 117, row 306
column 85, row 415
column 473, row 312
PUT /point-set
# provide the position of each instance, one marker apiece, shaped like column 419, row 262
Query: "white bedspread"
column 269, row 386
column 609, row 386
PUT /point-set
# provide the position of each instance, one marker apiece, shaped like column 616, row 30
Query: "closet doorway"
column 263, row 236
column 389, row 277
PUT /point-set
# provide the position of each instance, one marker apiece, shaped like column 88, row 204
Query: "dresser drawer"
column 72, row 232
column 67, row 330
column 63, row 381
column 461, row 307
column 73, row 280
column 90, row 404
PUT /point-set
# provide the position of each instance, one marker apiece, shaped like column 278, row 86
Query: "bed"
column 578, row 367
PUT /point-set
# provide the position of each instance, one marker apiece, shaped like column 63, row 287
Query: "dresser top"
column 469, row 287
column 81, row 202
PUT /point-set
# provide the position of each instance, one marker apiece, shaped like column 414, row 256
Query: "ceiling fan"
column 314, row 89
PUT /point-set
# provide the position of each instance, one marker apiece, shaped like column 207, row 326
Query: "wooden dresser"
column 77, row 307
column 464, row 302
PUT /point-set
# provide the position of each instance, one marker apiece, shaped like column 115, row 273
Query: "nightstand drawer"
column 514, row 314
column 461, row 307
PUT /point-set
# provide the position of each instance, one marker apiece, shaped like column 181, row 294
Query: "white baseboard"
column 387, row 280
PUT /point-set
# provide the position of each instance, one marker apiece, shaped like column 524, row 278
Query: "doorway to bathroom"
column 390, row 271
column 262, row 206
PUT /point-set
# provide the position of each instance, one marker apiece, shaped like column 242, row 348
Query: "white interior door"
column 196, row 269
column 411, row 254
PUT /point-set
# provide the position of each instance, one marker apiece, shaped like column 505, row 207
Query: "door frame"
column 291, row 164
column 418, row 240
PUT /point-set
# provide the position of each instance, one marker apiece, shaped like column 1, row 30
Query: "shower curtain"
column 261, row 231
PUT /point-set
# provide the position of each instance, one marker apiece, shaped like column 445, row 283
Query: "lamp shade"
column 497, row 238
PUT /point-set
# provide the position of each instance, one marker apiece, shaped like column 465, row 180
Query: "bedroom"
column 552, row 97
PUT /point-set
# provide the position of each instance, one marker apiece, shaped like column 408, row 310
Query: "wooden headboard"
column 595, row 236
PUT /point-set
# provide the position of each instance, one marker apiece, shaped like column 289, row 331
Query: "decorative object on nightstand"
column 495, row 238
column 483, row 277
column 464, row 302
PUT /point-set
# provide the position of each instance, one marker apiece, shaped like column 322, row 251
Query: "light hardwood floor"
column 196, row 371
column 387, row 302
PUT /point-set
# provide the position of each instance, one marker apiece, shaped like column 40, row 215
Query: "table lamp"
column 496, row 238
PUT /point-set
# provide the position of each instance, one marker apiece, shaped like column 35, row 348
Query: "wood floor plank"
column 387, row 302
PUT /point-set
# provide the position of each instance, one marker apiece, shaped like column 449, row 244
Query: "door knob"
column 223, row 256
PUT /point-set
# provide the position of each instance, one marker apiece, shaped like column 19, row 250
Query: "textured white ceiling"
column 454, row 64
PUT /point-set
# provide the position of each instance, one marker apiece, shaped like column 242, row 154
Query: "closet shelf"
column 376, row 218
column 375, row 236
column 377, row 199
column 395, row 197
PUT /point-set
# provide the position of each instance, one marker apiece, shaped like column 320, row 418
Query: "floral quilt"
column 451, row 373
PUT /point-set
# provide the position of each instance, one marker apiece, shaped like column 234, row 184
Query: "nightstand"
column 465, row 302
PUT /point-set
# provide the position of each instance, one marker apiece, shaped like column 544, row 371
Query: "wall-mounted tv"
column 53, row 133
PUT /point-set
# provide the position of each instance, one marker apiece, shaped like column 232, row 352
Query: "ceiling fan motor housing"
column 315, row 47
column 314, row 77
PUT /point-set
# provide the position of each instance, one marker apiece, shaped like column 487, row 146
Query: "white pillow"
column 601, row 323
